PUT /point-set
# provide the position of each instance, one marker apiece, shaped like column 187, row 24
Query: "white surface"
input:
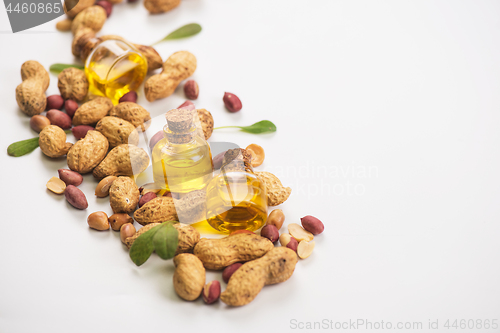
column 404, row 90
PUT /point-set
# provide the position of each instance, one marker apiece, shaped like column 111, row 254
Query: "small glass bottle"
column 182, row 160
column 236, row 198
column 114, row 68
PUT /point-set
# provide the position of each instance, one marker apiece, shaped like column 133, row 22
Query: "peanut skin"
column 70, row 177
column 76, row 197
column 38, row 122
column 229, row 271
column 59, row 118
column 312, row 224
column 276, row 218
column 246, row 283
column 211, row 292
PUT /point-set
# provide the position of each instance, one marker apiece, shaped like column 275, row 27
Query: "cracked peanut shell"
column 207, row 122
column 276, row 192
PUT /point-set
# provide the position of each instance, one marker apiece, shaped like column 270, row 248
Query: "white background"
column 407, row 91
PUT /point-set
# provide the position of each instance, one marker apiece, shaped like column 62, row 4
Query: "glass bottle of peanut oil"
column 236, row 198
column 114, row 68
column 182, row 161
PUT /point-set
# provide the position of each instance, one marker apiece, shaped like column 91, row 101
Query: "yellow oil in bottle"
column 182, row 161
column 114, row 68
column 182, row 168
column 236, row 199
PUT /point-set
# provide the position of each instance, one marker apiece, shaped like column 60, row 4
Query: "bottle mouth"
column 179, row 137
column 237, row 159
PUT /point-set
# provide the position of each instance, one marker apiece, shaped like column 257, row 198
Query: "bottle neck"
column 179, row 137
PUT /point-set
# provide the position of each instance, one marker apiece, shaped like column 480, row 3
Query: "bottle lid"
column 179, row 120
column 237, row 159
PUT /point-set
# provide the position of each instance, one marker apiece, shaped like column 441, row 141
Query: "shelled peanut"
column 127, row 231
column 55, row 102
column 102, row 189
column 299, row 238
column 257, row 153
column 98, row 221
column 211, row 292
column 118, row 220
column 39, row 122
column 56, row 185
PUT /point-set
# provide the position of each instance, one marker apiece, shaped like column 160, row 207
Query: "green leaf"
column 263, row 126
column 23, row 147
column 185, row 31
column 172, row 240
column 58, row 68
column 165, row 241
column 143, row 247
